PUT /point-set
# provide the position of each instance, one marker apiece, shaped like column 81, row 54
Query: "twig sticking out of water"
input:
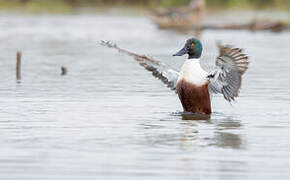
column 18, row 67
column 63, row 70
column 165, row 73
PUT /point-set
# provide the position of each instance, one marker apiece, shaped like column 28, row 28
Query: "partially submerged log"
column 191, row 18
column 193, row 23
column 256, row 25
column 181, row 18
column 174, row 23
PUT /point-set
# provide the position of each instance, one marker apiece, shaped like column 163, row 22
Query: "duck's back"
column 192, row 88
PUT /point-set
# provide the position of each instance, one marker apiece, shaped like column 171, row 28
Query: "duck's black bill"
column 181, row 52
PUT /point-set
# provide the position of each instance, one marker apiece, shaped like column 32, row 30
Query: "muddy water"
column 109, row 119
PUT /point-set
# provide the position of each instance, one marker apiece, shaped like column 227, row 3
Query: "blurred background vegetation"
column 69, row 5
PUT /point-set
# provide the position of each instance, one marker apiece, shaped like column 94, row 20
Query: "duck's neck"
column 195, row 53
column 194, row 56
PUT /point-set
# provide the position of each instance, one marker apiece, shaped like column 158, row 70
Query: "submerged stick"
column 18, row 67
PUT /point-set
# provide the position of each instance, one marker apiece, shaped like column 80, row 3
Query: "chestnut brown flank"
column 194, row 98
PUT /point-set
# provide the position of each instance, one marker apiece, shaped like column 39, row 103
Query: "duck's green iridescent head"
column 192, row 47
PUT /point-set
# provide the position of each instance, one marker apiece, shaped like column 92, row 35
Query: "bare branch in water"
column 18, row 67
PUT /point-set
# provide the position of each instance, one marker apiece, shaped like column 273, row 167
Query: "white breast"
column 191, row 71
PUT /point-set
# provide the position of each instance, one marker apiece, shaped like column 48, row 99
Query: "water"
column 110, row 119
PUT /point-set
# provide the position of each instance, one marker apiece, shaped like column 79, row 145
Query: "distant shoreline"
column 63, row 7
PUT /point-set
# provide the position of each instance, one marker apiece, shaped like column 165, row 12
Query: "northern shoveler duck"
column 193, row 84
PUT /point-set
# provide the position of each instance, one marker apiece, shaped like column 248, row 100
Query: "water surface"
column 110, row 119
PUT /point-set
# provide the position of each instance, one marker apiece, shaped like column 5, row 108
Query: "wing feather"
column 164, row 72
column 226, row 79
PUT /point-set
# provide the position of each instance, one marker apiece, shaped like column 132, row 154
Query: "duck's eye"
column 192, row 44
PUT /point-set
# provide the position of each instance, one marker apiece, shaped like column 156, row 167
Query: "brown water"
column 110, row 119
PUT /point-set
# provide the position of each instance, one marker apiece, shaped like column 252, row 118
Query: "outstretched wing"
column 162, row 71
column 226, row 79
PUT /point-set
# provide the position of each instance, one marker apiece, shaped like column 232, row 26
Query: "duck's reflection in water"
column 224, row 137
column 216, row 132
column 192, row 131
column 213, row 130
